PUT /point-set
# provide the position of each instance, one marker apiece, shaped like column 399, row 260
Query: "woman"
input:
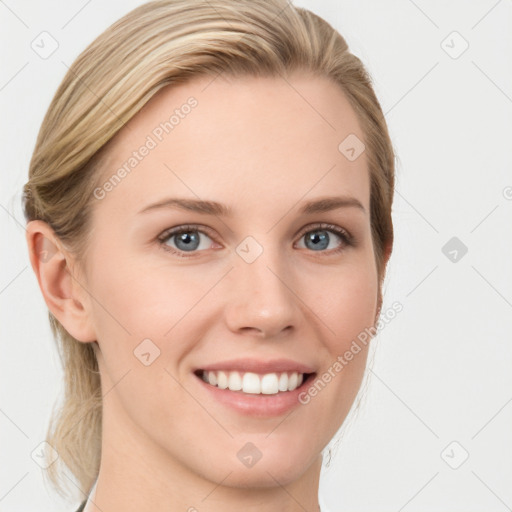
column 209, row 220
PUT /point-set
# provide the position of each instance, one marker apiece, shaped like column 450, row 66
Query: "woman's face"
column 273, row 272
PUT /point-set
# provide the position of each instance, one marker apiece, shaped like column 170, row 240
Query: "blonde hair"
column 158, row 44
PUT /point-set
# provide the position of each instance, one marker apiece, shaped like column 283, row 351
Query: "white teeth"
column 253, row 383
column 212, row 378
column 222, row 380
column 283, row 382
column 292, row 381
column 235, row 381
column 269, row 384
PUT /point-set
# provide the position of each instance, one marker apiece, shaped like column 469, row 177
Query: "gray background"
column 440, row 387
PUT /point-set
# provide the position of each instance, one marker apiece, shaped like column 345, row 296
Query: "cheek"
column 132, row 299
column 346, row 300
column 147, row 309
column 347, row 304
column 140, row 316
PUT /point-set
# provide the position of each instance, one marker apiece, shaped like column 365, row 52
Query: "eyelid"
column 184, row 228
column 342, row 232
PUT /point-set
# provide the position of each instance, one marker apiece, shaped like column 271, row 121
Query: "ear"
column 388, row 248
column 63, row 293
column 387, row 253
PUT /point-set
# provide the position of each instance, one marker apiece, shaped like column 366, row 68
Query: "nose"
column 262, row 301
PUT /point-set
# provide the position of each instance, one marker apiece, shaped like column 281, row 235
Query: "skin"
column 261, row 148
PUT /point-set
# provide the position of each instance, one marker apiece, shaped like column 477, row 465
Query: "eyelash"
column 347, row 238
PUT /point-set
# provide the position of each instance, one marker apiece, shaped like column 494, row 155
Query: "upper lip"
column 259, row 366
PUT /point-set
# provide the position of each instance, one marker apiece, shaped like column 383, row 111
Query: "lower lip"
column 258, row 405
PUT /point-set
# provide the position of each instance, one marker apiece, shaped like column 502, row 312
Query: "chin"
column 270, row 470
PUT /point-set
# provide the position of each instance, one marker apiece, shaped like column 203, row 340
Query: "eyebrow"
column 324, row 204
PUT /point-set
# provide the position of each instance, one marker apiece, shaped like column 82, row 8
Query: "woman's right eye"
column 185, row 239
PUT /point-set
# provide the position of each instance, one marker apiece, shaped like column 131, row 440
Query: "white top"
column 88, row 506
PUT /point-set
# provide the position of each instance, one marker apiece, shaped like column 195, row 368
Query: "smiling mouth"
column 255, row 383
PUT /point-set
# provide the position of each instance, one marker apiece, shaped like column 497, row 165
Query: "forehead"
column 238, row 139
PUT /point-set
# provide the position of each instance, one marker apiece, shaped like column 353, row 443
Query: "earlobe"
column 388, row 250
column 386, row 255
column 63, row 295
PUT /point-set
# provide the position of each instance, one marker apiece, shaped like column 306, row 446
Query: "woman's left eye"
column 320, row 237
column 187, row 239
